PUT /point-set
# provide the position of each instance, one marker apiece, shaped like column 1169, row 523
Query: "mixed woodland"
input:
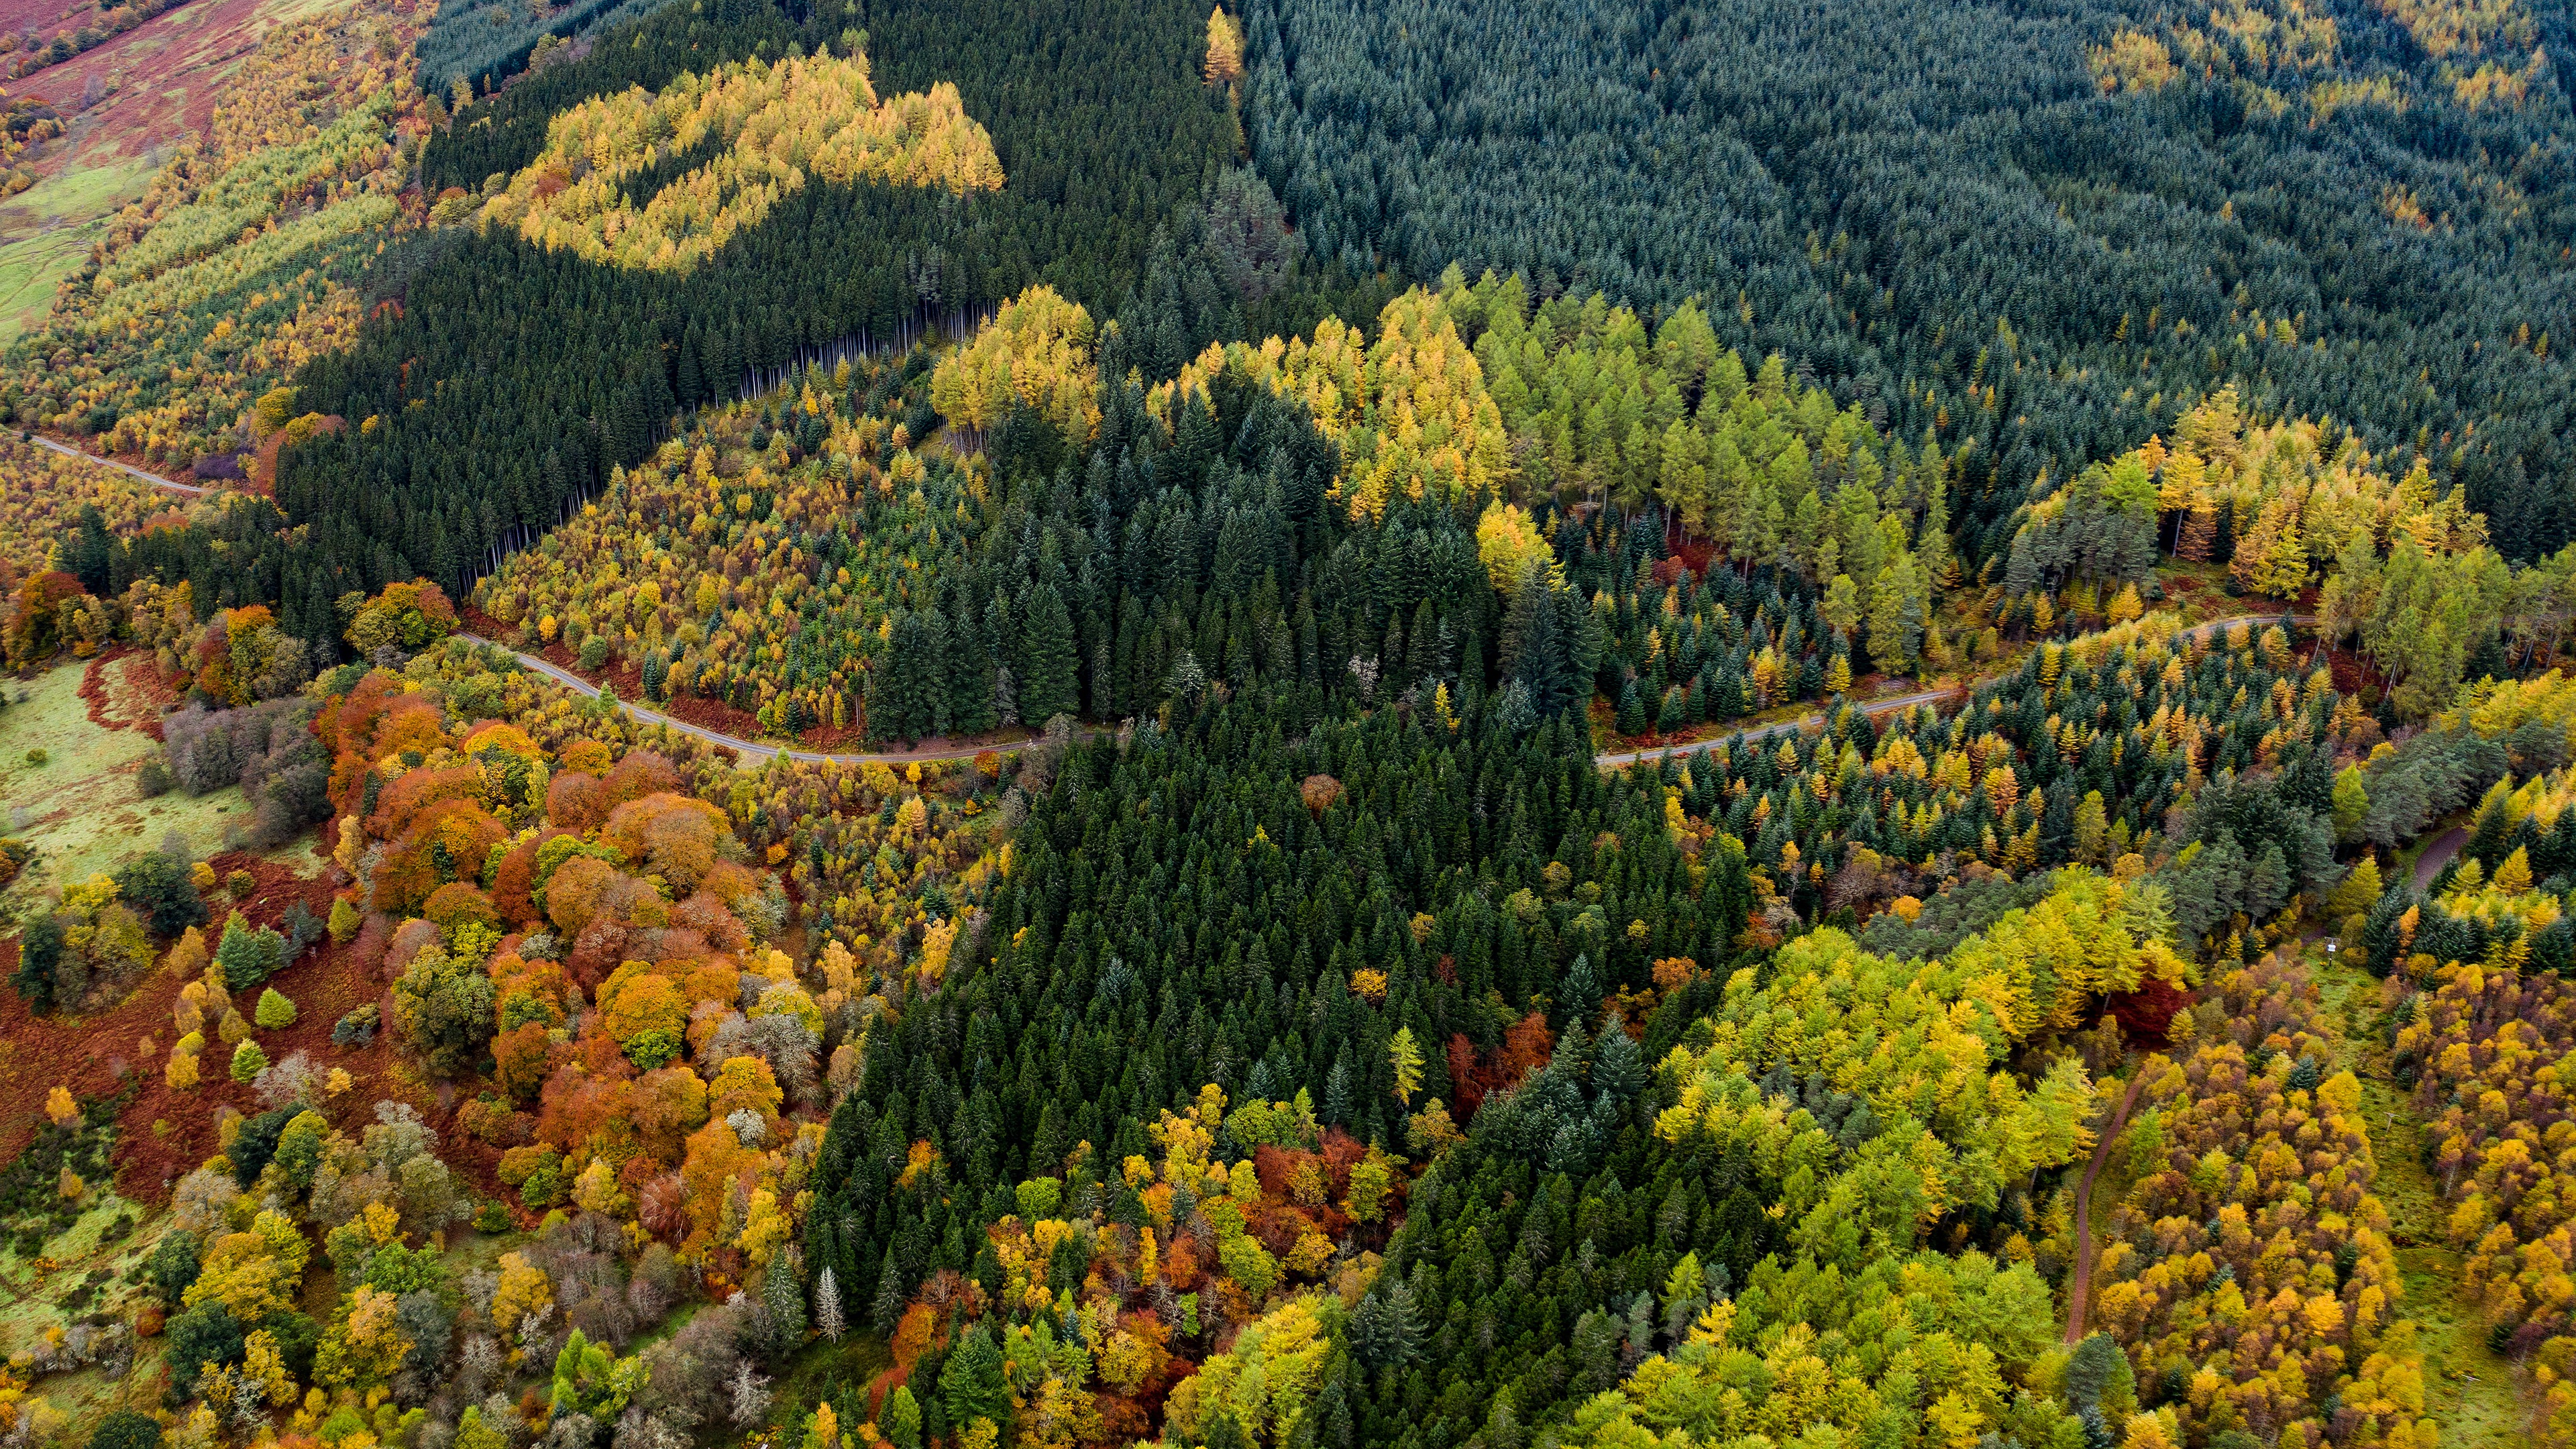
column 1307, row 726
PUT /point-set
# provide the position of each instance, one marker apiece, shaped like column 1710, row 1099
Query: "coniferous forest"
column 1299, row 726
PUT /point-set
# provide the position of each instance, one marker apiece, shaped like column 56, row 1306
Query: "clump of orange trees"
column 590, row 927
column 889, row 864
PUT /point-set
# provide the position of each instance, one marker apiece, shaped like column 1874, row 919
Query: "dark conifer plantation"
column 1941, row 200
column 512, row 380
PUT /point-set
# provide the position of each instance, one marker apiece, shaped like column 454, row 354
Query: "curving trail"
column 193, row 490
column 2082, row 1274
column 2438, row 854
column 1612, row 760
column 1621, row 760
column 1615, row 760
column 740, row 746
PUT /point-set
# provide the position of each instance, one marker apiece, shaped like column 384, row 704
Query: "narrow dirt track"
column 2438, row 854
column 1621, row 760
column 738, row 745
column 2082, row 1276
column 1613, row 760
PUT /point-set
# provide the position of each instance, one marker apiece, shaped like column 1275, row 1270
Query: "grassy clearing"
column 2468, row 1388
column 78, row 193
column 823, row 1368
column 34, row 1298
column 87, row 1278
column 51, row 227
column 33, row 266
column 79, row 808
column 160, row 80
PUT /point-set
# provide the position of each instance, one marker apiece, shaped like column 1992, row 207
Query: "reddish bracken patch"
column 165, row 74
column 1472, row 1073
column 1692, row 557
column 148, row 696
column 2146, row 1014
column 42, row 16
column 123, row 690
column 263, row 472
column 93, row 693
column 628, row 680
column 2353, row 671
column 163, row 1134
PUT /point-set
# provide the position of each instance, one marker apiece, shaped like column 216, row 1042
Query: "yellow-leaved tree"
column 1035, row 352
column 782, row 122
column 1224, row 48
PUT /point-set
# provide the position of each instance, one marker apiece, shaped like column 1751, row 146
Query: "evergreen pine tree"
column 887, row 1311
column 784, row 1297
column 40, row 951
column 971, row 1384
column 827, row 1306
column 1049, row 688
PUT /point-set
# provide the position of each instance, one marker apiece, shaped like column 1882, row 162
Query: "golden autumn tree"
column 1224, row 48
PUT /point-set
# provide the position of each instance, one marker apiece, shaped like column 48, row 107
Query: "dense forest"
column 1099, row 723
column 1233, row 555
column 2104, row 211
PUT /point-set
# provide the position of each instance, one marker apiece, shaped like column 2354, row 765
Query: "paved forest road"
column 2438, row 854
column 746, row 748
column 1613, row 761
column 193, row 490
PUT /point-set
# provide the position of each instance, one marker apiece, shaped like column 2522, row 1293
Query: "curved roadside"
column 193, row 490
column 743, row 747
column 1612, row 760
column 1623, row 759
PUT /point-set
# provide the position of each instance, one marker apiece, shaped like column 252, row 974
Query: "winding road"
column 1622, row 760
column 1613, row 760
column 748, row 748
column 2438, row 854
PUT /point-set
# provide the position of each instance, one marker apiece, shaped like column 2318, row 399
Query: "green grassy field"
column 53, row 225
column 79, row 809
column 76, row 1265
column 33, row 266
column 161, row 80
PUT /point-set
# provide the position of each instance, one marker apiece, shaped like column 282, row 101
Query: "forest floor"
column 2469, row 1389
